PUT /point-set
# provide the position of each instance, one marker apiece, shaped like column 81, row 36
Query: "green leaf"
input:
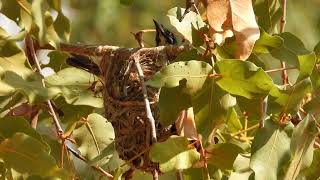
column 252, row 107
column 266, row 11
column 232, row 121
column 210, row 108
column 223, row 155
column 288, row 100
column 74, row 86
column 241, row 168
column 171, row 102
column 317, row 49
column 292, row 47
column 38, row 13
column 11, row 125
column 301, row 146
column 306, row 65
column 266, row 41
column 57, row 60
column 62, row 26
column 27, row 155
column 191, row 74
column 32, row 89
column 243, row 78
column 180, row 156
column 55, row 4
column 312, row 106
column 313, row 171
column 93, row 136
column 189, row 26
column 270, row 150
column 11, row 9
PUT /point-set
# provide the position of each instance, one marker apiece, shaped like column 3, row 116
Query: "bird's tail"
column 84, row 62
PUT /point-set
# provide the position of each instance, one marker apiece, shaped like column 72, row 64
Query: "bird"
column 164, row 36
column 83, row 62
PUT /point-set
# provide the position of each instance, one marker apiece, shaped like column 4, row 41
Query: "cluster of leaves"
column 229, row 98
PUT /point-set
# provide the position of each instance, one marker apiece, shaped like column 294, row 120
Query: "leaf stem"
column 246, row 130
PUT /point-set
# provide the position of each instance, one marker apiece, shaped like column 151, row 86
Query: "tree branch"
column 31, row 49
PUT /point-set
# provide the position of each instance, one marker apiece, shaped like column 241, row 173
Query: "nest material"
column 125, row 107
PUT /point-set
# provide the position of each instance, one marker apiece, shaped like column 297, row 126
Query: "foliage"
column 230, row 77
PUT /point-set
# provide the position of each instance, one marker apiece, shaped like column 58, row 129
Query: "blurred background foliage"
column 110, row 22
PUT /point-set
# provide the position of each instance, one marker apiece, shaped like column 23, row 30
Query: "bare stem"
column 97, row 168
column 155, row 175
column 284, row 15
column 146, row 101
column 246, row 130
column 280, row 69
column 60, row 132
column 30, row 47
column 282, row 26
column 263, row 111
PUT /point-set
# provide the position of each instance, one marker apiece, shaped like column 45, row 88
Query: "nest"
column 125, row 107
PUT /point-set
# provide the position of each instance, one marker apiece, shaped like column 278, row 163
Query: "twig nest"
column 125, row 106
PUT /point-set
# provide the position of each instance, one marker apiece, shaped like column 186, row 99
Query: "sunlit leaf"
column 210, row 108
column 180, row 156
column 267, row 41
column 57, row 60
column 292, row 47
column 268, row 13
column 27, row 155
column 243, row 78
column 301, row 147
column 313, row 171
column 270, row 150
column 191, row 75
column 62, row 26
column 241, row 168
column 11, row 125
column 75, row 89
column 288, row 100
column 232, row 121
column 94, row 135
column 223, row 155
column 189, row 26
column 306, row 65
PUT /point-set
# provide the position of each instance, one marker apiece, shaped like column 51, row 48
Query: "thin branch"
column 155, row 175
column 138, row 36
column 97, row 168
column 263, row 111
column 245, row 130
column 30, row 47
column 284, row 15
column 280, row 69
column 60, row 132
column 205, row 163
column 146, row 101
column 179, row 175
column 285, row 78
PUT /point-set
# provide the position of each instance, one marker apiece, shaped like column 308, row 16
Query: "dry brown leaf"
column 185, row 124
column 245, row 27
column 237, row 16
